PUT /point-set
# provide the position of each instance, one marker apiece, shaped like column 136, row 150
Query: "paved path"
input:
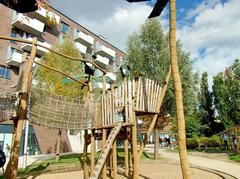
column 232, row 168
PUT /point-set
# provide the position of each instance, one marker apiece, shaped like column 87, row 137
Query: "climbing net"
column 8, row 99
column 62, row 112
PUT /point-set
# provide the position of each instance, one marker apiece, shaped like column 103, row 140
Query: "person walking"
column 225, row 140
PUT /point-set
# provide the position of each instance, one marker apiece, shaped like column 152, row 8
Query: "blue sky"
column 208, row 29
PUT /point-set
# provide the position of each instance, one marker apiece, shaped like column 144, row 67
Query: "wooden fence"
column 120, row 102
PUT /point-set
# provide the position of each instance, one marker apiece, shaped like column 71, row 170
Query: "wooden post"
column 58, row 145
column 156, row 143
column 104, row 132
column 126, row 153
column 178, row 94
column 85, row 157
column 104, row 136
column 12, row 166
column 92, row 150
column 135, row 150
column 115, row 159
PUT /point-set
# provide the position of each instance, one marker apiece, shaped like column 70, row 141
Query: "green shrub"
column 197, row 142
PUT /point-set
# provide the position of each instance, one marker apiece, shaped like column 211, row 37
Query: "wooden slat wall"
column 119, row 102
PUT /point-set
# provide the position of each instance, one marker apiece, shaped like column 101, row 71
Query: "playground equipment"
column 113, row 116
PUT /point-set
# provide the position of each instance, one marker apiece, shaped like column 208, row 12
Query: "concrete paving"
column 229, row 167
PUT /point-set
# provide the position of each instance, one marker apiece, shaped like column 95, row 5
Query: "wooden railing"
column 119, row 103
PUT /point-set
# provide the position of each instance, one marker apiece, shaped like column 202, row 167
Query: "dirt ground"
column 149, row 169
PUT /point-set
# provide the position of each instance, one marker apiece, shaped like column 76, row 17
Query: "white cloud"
column 213, row 36
column 113, row 19
column 122, row 22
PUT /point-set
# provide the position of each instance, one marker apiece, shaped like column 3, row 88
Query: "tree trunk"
column 178, row 94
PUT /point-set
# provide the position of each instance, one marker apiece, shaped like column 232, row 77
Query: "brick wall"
column 47, row 139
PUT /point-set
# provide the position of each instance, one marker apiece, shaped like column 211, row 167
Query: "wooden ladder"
column 103, row 156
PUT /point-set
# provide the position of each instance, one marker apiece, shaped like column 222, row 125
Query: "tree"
column 206, row 112
column 54, row 82
column 148, row 56
column 226, row 93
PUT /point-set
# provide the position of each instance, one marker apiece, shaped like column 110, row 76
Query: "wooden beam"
column 126, row 153
column 49, row 49
column 104, row 136
column 12, row 166
column 156, row 143
column 114, row 155
column 61, row 72
column 135, row 151
column 92, row 150
column 85, row 157
column 159, row 104
column 58, row 145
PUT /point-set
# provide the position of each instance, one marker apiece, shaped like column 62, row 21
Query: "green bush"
column 197, row 142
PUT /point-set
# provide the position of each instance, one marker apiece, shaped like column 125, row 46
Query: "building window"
column 14, row 35
column 64, row 27
column 5, row 72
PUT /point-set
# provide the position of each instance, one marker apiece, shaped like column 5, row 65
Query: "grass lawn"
column 71, row 160
column 234, row 157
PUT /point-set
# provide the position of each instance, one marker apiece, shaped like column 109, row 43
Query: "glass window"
column 64, row 27
column 13, row 34
column 5, row 72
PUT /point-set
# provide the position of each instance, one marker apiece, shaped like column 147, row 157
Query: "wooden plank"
column 137, row 99
column 114, row 156
column 130, row 101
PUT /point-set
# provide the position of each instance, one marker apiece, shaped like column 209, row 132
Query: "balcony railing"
column 42, row 14
column 83, row 38
column 14, row 58
column 102, row 61
column 27, row 24
column 81, row 48
column 40, row 50
column 112, row 76
column 105, row 51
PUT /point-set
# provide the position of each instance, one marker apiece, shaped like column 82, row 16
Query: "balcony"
column 105, row 51
column 41, row 15
column 81, row 48
column 102, row 61
column 100, row 85
column 112, row 76
column 40, row 50
column 14, row 58
column 27, row 24
column 84, row 39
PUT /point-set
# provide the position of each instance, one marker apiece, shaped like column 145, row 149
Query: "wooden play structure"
column 115, row 115
column 112, row 117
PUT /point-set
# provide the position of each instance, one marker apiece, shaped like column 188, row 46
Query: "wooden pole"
column 126, row 153
column 92, row 150
column 115, row 159
column 12, row 166
column 135, row 150
column 156, row 143
column 85, row 157
column 58, row 145
column 159, row 104
column 104, row 136
column 178, row 94
column 104, row 132
column 61, row 72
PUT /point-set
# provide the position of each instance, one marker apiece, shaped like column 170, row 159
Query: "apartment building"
column 35, row 24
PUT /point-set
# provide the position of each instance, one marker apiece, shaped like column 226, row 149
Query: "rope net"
column 62, row 112
column 8, row 99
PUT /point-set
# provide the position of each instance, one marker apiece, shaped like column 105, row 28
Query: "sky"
column 208, row 29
